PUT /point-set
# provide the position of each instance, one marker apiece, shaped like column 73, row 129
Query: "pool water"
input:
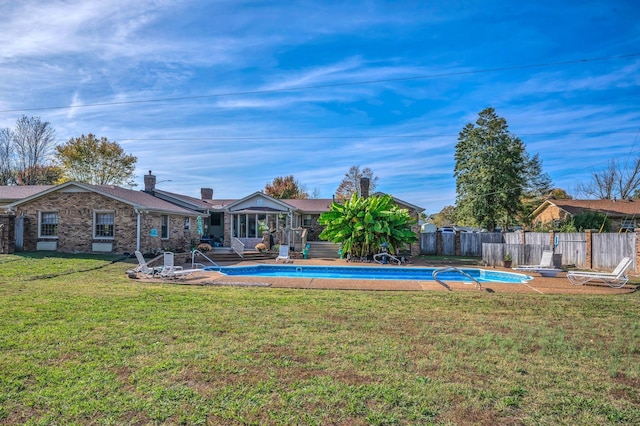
column 373, row 273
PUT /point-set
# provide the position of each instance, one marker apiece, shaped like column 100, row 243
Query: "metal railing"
column 238, row 247
column 454, row 269
column 193, row 259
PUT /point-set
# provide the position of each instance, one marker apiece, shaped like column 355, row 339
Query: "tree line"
column 288, row 187
column 29, row 156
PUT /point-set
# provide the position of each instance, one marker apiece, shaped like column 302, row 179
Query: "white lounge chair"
column 615, row 279
column 170, row 270
column 546, row 262
column 544, row 268
column 283, row 254
column 169, row 266
column 143, row 266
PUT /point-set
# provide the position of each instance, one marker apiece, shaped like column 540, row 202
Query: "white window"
column 164, row 228
column 48, row 227
column 187, row 223
column 306, row 221
column 103, row 224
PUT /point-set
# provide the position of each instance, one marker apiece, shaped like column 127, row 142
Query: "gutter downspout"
column 137, row 229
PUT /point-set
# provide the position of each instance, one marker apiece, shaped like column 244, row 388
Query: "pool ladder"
column 193, row 259
column 454, row 269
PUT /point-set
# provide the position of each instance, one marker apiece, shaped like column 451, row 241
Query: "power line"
column 323, row 86
column 224, row 138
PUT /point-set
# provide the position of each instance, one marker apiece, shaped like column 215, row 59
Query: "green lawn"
column 94, row 347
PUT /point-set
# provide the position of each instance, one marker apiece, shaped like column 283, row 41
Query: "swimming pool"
column 372, row 273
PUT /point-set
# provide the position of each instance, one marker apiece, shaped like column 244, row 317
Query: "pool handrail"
column 453, row 269
column 193, row 259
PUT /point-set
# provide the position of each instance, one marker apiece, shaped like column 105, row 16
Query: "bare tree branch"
column 33, row 140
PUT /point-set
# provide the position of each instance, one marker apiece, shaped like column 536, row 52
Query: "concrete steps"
column 323, row 250
column 222, row 255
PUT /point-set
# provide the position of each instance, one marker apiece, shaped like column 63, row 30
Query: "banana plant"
column 361, row 225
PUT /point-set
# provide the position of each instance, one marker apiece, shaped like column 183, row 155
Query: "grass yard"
column 94, row 347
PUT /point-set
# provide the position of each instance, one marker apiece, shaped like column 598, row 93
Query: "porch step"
column 231, row 256
column 323, row 250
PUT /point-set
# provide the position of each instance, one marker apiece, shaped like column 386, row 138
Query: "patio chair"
column 615, row 279
column 170, row 270
column 169, row 266
column 143, row 266
column 544, row 268
column 546, row 262
column 284, row 254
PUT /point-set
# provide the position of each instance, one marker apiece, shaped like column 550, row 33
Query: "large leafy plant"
column 361, row 225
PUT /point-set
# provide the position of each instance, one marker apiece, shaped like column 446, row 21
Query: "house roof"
column 137, row 199
column 10, row 194
column 220, row 204
column 189, row 202
column 401, row 202
column 308, row 205
column 612, row 208
column 319, row 205
column 261, row 194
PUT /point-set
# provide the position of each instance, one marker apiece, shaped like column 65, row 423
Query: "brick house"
column 78, row 217
column 251, row 218
column 11, row 194
column 624, row 214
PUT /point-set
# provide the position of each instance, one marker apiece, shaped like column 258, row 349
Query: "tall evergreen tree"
column 491, row 172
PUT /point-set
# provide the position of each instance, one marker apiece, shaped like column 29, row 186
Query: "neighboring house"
column 78, row 217
column 623, row 214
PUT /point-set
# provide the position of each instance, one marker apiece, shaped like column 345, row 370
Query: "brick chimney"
column 149, row 182
column 206, row 193
column 364, row 187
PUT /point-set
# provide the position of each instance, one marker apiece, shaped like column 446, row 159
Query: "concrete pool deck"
column 538, row 285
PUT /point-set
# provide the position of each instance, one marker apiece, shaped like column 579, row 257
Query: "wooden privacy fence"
column 573, row 248
column 521, row 254
column 608, row 249
column 587, row 250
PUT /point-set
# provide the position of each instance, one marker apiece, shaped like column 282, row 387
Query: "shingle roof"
column 318, row 205
column 15, row 193
column 618, row 208
column 193, row 201
column 141, row 199
column 138, row 199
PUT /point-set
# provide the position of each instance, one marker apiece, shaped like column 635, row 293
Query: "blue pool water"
column 372, row 273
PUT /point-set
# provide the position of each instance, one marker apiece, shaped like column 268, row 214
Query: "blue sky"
column 247, row 91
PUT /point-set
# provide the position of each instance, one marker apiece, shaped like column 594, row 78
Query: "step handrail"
column 238, row 247
column 193, row 258
column 454, row 269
